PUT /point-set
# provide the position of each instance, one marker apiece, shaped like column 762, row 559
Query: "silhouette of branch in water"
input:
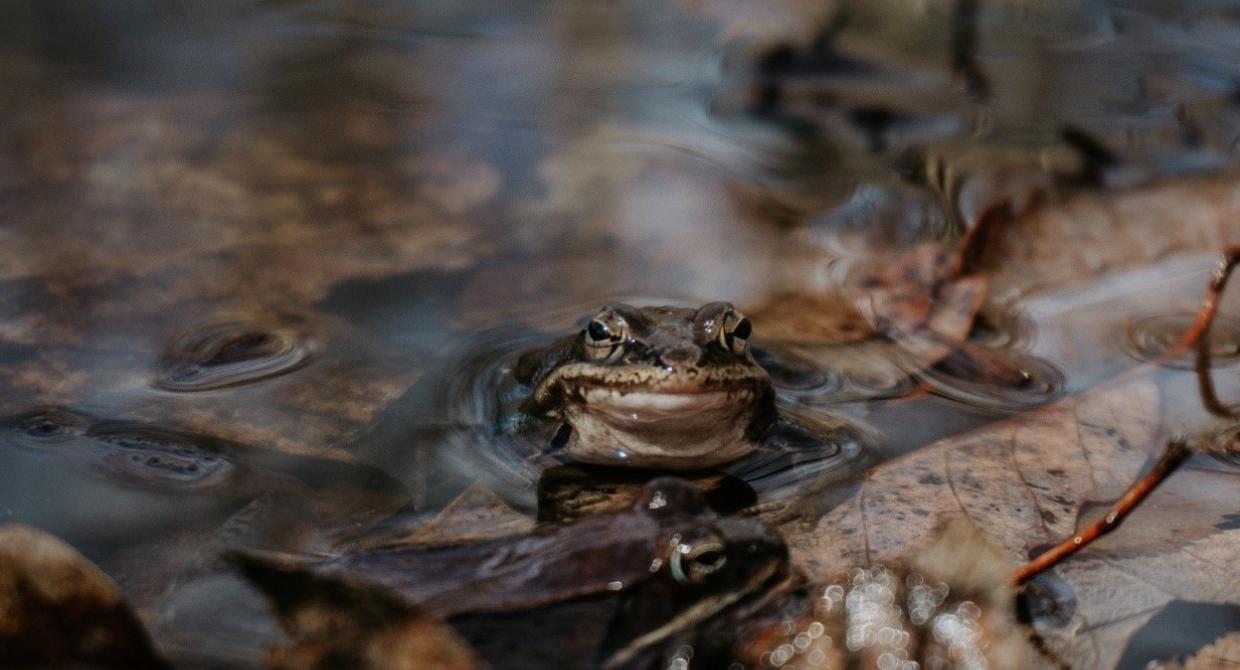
column 964, row 48
column 1177, row 450
column 1198, row 334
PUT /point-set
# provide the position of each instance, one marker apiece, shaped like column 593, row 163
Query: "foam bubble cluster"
column 886, row 620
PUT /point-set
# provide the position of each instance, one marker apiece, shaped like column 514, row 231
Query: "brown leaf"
column 474, row 515
column 57, row 609
column 1092, row 234
column 338, row 623
column 906, row 314
column 949, row 601
column 1224, row 654
column 1024, row 483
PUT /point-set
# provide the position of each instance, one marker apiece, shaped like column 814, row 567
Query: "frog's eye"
column 696, row 559
column 604, row 336
column 734, row 332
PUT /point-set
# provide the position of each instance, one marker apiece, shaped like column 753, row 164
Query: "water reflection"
column 434, row 187
column 124, row 452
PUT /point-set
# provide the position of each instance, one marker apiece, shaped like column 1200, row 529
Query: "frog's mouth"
column 655, row 417
column 633, row 386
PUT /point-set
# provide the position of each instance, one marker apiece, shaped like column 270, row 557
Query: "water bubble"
column 232, row 354
column 1047, row 601
column 657, row 501
column 1151, row 337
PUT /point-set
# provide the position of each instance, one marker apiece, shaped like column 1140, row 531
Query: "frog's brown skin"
column 609, row 591
column 656, row 387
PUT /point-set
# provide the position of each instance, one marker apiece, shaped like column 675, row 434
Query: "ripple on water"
column 1150, row 337
column 490, row 440
column 796, row 376
column 231, row 354
column 121, row 451
column 1006, row 381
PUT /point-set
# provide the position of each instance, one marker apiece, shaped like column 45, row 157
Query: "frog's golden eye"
column 605, row 335
column 696, row 559
column 734, row 332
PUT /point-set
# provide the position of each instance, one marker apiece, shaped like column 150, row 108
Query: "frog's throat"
column 685, row 431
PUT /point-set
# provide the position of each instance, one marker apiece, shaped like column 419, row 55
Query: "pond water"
column 265, row 266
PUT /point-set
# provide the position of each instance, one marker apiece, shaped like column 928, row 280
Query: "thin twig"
column 1175, row 453
column 1199, row 332
column 1205, row 381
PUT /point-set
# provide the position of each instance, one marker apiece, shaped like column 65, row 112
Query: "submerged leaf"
column 57, row 609
column 1028, row 482
column 337, row 623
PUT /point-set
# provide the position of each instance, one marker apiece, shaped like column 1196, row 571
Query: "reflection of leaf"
column 908, row 314
column 1091, row 234
column 1023, row 482
column 57, row 609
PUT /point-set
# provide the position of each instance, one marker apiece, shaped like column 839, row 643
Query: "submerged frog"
column 658, row 387
column 616, row 590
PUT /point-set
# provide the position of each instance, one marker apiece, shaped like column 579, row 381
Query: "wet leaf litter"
column 264, row 317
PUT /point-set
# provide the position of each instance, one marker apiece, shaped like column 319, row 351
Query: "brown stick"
column 1175, row 453
column 1205, row 385
column 1199, row 332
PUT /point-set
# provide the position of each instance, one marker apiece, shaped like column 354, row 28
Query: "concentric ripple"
column 1149, row 338
column 120, row 451
column 1024, row 382
column 231, row 354
column 489, row 438
column 796, row 376
column 150, row 455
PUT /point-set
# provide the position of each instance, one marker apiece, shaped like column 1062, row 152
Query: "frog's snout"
column 681, row 355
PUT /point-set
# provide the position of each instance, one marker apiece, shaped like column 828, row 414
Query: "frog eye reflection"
column 604, row 335
column 734, row 332
column 695, row 561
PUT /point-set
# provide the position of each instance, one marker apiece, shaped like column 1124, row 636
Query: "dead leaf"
column 1224, row 654
column 1091, row 235
column 948, row 605
column 57, row 609
column 1024, row 482
column 475, row 515
column 902, row 315
column 338, row 623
